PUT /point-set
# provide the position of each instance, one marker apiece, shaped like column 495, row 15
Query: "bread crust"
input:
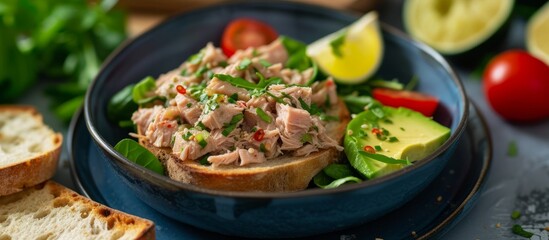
column 120, row 220
column 282, row 174
column 29, row 172
column 58, row 196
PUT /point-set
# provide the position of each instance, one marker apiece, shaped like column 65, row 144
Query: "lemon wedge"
column 352, row 54
column 537, row 34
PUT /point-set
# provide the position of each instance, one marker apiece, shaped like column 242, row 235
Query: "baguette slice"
column 282, row 174
column 29, row 150
column 51, row 211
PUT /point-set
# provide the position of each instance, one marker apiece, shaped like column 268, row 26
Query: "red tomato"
column 516, row 85
column 419, row 102
column 243, row 33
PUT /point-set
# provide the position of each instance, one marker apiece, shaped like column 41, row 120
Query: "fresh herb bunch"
column 61, row 40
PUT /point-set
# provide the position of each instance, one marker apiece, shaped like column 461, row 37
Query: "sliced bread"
column 29, row 150
column 51, row 211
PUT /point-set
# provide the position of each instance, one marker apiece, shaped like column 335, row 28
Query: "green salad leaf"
column 335, row 175
column 65, row 41
column 140, row 155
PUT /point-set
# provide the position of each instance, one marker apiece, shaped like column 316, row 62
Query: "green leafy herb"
column 391, row 84
column 143, row 88
column 412, row 83
column 377, row 148
column 337, row 43
column 383, row 158
column 201, row 71
column 236, row 81
column 297, row 56
column 229, row 127
column 204, row 160
column 265, row 63
column 357, row 104
column 392, row 139
column 262, row 148
column 307, row 138
column 515, row 215
column 140, row 155
column 233, row 98
column 322, row 180
column 183, row 72
column 512, row 149
column 313, row 109
column 223, row 64
column 263, row 115
column 62, row 40
column 196, row 58
column 121, row 106
column 244, row 64
column 338, row 170
column 517, row 229
column 201, row 126
column 187, row 136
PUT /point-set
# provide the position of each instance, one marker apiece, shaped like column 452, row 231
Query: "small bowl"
column 260, row 215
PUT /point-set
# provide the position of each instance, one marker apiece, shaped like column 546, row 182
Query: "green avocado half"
column 399, row 137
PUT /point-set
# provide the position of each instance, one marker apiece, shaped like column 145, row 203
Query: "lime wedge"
column 537, row 34
column 352, row 54
column 457, row 26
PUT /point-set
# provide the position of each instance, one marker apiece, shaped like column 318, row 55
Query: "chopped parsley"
column 515, row 215
column 377, row 148
column 262, row 148
column 517, row 229
column 265, row 63
column 186, row 136
column 233, row 98
column 223, row 64
column 201, row 71
column 204, row 160
column 196, row 58
column 244, row 64
column 183, row 72
column 512, row 149
column 307, row 138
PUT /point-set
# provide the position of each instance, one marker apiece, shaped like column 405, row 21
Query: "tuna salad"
column 241, row 110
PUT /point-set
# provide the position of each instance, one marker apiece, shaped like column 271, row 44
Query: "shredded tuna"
column 221, row 116
column 250, row 156
column 238, row 123
column 224, row 159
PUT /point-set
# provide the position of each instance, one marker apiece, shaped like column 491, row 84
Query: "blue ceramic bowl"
column 303, row 213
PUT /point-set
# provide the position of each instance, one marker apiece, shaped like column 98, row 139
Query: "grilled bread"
column 29, row 150
column 51, row 211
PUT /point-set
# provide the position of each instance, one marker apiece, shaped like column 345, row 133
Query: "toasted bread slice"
column 52, row 211
column 282, row 174
column 29, row 150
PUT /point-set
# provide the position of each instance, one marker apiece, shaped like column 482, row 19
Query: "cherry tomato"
column 419, row 102
column 516, row 85
column 243, row 33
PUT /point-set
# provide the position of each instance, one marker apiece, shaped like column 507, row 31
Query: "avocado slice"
column 401, row 134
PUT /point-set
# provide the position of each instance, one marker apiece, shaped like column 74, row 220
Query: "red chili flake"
column 376, row 131
column 369, row 149
column 180, row 89
column 259, row 134
column 329, row 83
column 169, row 126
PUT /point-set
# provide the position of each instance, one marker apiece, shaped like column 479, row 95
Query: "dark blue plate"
column 433, row 212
